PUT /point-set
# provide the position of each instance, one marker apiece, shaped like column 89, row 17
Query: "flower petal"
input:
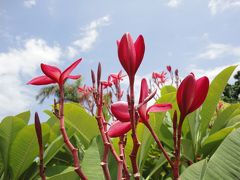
column 140, row 49
column 74, row 76
column 51, row 71
column 202, row 86
column 67, row 71
column 143, row 95
column 127, row 54
column 120, row 111
column 41, row 80
column 186, row 94
column 119, row 128
column 159, row 108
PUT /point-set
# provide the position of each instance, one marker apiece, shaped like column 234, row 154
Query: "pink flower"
column 119, row 128
column 159, row 77
column 107, row 83
column 191, row 94
column 116, row 78
column 86, row 90
column 54, row 75
column 131, row 53
column 120, row 109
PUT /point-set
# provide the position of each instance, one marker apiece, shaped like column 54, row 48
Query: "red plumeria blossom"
column 106, row 84
column 116, row 78
column 54, row 75
column 159, row 77
column 131, row 53
column 86, row 90
column 118, row 128
column 191, row 94
column 121, row 113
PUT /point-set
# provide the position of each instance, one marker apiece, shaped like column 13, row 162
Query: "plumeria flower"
column 121, row 112
column 54, row 75
column 116, row 78
column 131, row 53
column 106, row 84
column 169, row 68
column 159, row 77
column 86, row 90
column 191, row 94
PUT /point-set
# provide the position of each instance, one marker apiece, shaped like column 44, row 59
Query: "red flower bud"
column 169, row 68
column 131, row 54
column 191, row 94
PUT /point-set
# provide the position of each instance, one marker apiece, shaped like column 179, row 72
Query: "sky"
column 200, row 36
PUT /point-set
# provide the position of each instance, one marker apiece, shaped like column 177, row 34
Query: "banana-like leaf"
column 24, row 149
column 215, row 91
column 61, row 173
column 25, row 116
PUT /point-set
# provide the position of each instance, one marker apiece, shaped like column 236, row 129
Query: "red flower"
column 116, row 78
column 169, row 68
column 191, row 94
column 120, row 108
column 54, row 75
column 131, row 54
column 159, row 77
column 119, row 128
column 107, row 83
column 86, row 90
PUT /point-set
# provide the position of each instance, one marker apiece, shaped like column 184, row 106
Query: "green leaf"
column 80, row 120
column 224, row 117
column 91, row 162
column 225, row 162
column 24, row 149
column 167, row 89
column 195, row 171
column 215, row 91
column 9, row 128
column 61, row 173
column 25, row 116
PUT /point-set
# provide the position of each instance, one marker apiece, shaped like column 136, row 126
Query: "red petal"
column 186, row 94
column 201, row 92
column 159, row 108
column 51, row 71
column 127, row 54
column 74, row 76
column 140, row 49
column 120, row 111
column 41, row 80
column 143, row 95
column 119, row 128
column 67, row 71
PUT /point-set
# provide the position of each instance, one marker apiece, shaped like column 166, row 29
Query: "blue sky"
column 200, row 36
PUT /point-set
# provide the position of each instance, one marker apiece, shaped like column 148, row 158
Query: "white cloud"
column 88, row 36
column 174, row 3
column 219, row 50
column 19, row 65
column 29, row 3
column 216, row 6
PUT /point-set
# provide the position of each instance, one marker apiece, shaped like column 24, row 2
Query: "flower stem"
column 159, row 143
column 122, row 143
column 69, row 145
column 136, row 143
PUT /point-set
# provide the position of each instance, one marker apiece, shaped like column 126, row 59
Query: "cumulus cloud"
column 219, row 50
column 19, row 65
column 174, row 3
column 217, row 6
column 88, row 36
column 29, row 3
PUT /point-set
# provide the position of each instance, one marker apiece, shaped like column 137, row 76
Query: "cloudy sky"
column 201, row 36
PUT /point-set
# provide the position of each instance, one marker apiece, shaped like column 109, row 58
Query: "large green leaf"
column 225, row 162
column 9, row 128
column 61, row 173
column 91, row 162
column 167, row 89
column 215, row 91
column 79, row 119
column 25, row 116
column 24, row 149
column 195, row 171
column 223, row 118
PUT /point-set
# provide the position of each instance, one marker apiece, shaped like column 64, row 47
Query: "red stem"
column 73, row 150
column 136, row 143
column 122, row 144
column 159, row 143
column 178, row 149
